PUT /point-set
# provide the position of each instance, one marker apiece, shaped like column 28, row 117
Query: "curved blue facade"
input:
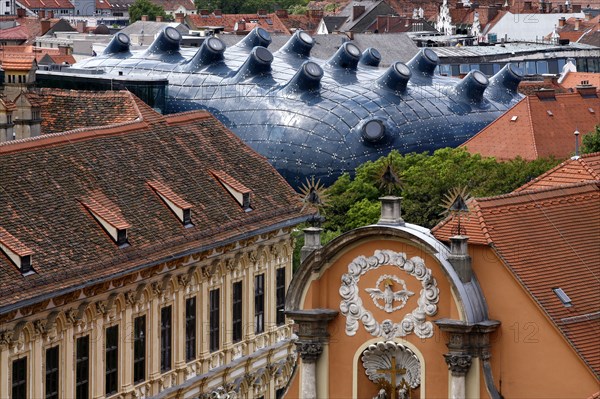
column 313, row 117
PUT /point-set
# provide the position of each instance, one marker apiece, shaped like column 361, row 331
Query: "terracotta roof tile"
column 86, row 109
column 536, row 128
column 586, row 168
column 270, row 22
column 47, row 4
column 13, row 243
column 230, row 181
column 169, row 194
column 44, row 179
column 572, row 79
column 549, row 239
column 15, row 33
column 99, row 204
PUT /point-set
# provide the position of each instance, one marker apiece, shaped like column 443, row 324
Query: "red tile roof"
column 47, row 4
column 86, row 109
column 572, row 79
column 173, row 5
column 14, row 33
column 169, row 194
column 549, row 239
column 230, row 181
column 99, row 204
column 269, row 22
column 542, row 128
column 585, row 168
column 13, row 243
column 44, row 179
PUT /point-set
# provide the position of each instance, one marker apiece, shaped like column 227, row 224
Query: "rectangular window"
column 237, row 312
column 165, row 339
column 19, row 378
column 214, row 319
column 259, row 303
column 190, row 329
column 111, row 360
column 280, row 295
column 52, row 373
column 139, row 349
column 82, row 368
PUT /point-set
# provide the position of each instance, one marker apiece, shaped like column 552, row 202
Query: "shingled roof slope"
column 584, row 168
column 549, row 239
column 269, row 22
column 86, row 109
column 45, row 180
column 536, row 128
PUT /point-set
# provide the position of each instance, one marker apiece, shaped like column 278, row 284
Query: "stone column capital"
column 458, row 363
column 309, row 351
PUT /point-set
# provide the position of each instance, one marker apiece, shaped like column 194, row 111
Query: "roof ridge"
column 516, row 194
column 531, row 131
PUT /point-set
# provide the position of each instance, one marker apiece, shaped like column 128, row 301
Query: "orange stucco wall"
column 530, row 357
column 343, row 349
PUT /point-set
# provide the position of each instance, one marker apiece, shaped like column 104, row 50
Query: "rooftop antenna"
column 576, row 133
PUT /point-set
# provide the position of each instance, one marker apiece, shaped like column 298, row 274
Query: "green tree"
column 591, row 142
column 145, row 7
column 425, row 179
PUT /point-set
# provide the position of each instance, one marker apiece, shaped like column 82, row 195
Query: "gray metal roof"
column 148, row 28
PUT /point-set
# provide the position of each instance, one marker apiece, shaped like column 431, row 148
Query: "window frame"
column 214, row 308
column 108, row 370
column 237, row 311
column 20, row 384
column 191, row 312
column 139, row 344
column 166, row 338
column 79, row 361
column 259, row 303
column 280, row 296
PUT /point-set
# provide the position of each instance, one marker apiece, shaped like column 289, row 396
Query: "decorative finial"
column 455, row 204
column 576, row 133
column 389, row 180
column 314, row 195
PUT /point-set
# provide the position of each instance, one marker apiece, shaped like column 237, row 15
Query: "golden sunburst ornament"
column 314, row 194
column 455, row 204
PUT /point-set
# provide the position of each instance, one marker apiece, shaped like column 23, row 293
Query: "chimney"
column 159, row 18
column 81, row 26
column 562, row 21
column 576, row 8
column 63, row 50
column 262, row 13
column 357, row 11
column 50, row 14
column 577, row 22
column 588, row 16
column 241, row 26
column 459, row 5
column 312, row 241
column 20, row 13
column 179, row 18
column 282, row 13
column 218, row 13
column 391, row 211
column 560, row 9
column 459, row 257
column 144, row 18
column 527, row 5
column 45, row 26
column 576, row 156
column 42, row 14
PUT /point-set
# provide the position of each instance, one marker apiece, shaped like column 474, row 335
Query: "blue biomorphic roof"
column 313, row 117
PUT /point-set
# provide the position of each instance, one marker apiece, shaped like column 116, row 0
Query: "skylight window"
column 591, row 110
column 110, row 219
column 237, row 190
column 550, row 113
column 564, row 298
column 514, row 118
column 181, row 208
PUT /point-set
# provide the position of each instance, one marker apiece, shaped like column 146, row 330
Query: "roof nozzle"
column 210, row 51
column 395, row 78
column 503, row 85
column 167, row 42
column 119, row 44
column 370, row 57
column 300, row 44
column 256, row 37
column 472, row 87
column 258, row 63
column 346, row 57
column 424, row 63
column 307, row 79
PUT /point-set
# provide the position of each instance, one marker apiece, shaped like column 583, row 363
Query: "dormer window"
column 16, row 251
column 110, row 219
column 237, row 190
column 181, row 208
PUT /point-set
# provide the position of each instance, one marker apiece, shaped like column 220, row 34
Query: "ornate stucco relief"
column 352, row 306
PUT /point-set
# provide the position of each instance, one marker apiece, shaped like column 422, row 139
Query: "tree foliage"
column 591, row 142
column 425, row 179
column 145, row 7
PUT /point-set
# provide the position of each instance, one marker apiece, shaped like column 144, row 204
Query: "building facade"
column 158, row 266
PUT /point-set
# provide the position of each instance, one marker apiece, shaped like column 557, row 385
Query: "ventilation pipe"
column 395, row 78
column 256, row 37
column 210, row 52
column 119, row 44
column 307, row 79
column 300, row 45
column 370, row 57
column 167, row 42
column 346, row 57
column 258, row 63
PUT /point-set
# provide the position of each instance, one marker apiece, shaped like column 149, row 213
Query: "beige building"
column 146, row 258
